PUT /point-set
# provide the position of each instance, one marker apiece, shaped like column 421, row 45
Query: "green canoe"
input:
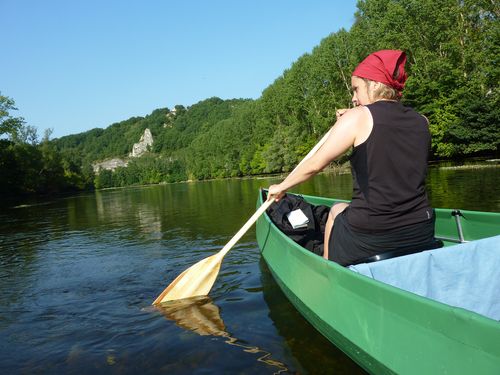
column 383, row 328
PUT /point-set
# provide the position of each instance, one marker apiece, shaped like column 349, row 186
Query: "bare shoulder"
column 355, row 118
column 357, row 123
column 356, row 114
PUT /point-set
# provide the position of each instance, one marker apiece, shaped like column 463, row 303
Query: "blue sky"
column 76, row 65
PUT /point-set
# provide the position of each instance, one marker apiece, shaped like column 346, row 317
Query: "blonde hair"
column 384, row 91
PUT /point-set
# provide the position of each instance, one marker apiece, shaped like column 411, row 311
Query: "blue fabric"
column 465, row 275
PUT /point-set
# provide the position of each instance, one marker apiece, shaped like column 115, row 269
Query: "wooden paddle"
column 198, row 279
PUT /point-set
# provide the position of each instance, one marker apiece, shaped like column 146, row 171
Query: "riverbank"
column 334, row 168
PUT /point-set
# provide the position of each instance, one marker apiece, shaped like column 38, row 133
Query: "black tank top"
column 389, row 170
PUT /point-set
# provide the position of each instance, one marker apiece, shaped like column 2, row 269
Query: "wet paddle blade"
column 197, row 280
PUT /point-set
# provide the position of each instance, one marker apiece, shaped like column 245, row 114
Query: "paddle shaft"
column 313, row 150
column 199, row 278
column 246, row 227
column 267, row 203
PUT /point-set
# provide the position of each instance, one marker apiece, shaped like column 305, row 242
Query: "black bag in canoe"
column 310, row 236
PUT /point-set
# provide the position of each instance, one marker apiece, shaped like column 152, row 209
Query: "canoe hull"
column 384, row 329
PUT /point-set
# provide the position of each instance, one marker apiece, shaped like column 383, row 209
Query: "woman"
column 389, row 208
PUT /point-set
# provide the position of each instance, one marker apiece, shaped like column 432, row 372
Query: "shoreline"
column 336, row 169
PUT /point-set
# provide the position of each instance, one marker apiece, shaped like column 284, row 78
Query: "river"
column 78, row 275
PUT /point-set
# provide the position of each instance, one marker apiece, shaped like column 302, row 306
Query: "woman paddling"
column 389, row 208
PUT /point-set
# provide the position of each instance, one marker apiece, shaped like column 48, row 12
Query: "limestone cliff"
column 142, row 147
column 137, row 150
column 110, row 165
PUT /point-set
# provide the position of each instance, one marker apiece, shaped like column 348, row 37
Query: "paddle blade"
column 197, row 280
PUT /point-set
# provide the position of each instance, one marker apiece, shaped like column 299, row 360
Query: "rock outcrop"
column 141, row 148
column 110, row 164
column 137, row 150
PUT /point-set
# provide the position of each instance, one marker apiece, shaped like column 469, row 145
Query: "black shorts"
column 347, row 246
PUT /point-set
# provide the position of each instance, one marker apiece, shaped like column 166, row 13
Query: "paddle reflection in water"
column 202, row 316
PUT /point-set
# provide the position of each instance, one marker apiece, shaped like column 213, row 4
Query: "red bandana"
column 380, row 67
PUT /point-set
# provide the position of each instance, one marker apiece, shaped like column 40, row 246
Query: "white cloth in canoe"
column 465, row 275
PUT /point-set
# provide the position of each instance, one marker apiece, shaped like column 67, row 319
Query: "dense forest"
column 452, row 48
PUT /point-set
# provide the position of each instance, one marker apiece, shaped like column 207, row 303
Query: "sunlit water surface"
column 78, row 275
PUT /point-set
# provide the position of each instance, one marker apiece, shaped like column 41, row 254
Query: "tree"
column 452, row 48
column 8, row 124
column 26, row 134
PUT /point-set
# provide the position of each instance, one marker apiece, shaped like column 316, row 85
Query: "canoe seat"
column 400, row 252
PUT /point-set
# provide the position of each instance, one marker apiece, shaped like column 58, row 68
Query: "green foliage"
column 9, row 125
column 148, row 169
column 452, row 48
column 104, row 179
column 32, row 168
column 185, row 125
column 20, row 165
column 28, row 165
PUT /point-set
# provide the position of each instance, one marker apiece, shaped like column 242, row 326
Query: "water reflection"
column 470, row 189
column 202, row 208
column 202, row 316
column 306, row 344
column 197, row 314
column 75, row 273
column 465, row 188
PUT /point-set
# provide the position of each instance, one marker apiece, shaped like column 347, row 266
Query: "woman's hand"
column 340, row 112
column 276, row 192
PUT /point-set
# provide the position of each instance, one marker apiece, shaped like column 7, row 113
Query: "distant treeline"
column 452, row 48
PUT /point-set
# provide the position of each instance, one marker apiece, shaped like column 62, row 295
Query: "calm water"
column 78, row 275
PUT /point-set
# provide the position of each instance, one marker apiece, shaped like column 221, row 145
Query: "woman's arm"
column 343, row 136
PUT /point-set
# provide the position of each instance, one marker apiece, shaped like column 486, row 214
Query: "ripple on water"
column 78, row 276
